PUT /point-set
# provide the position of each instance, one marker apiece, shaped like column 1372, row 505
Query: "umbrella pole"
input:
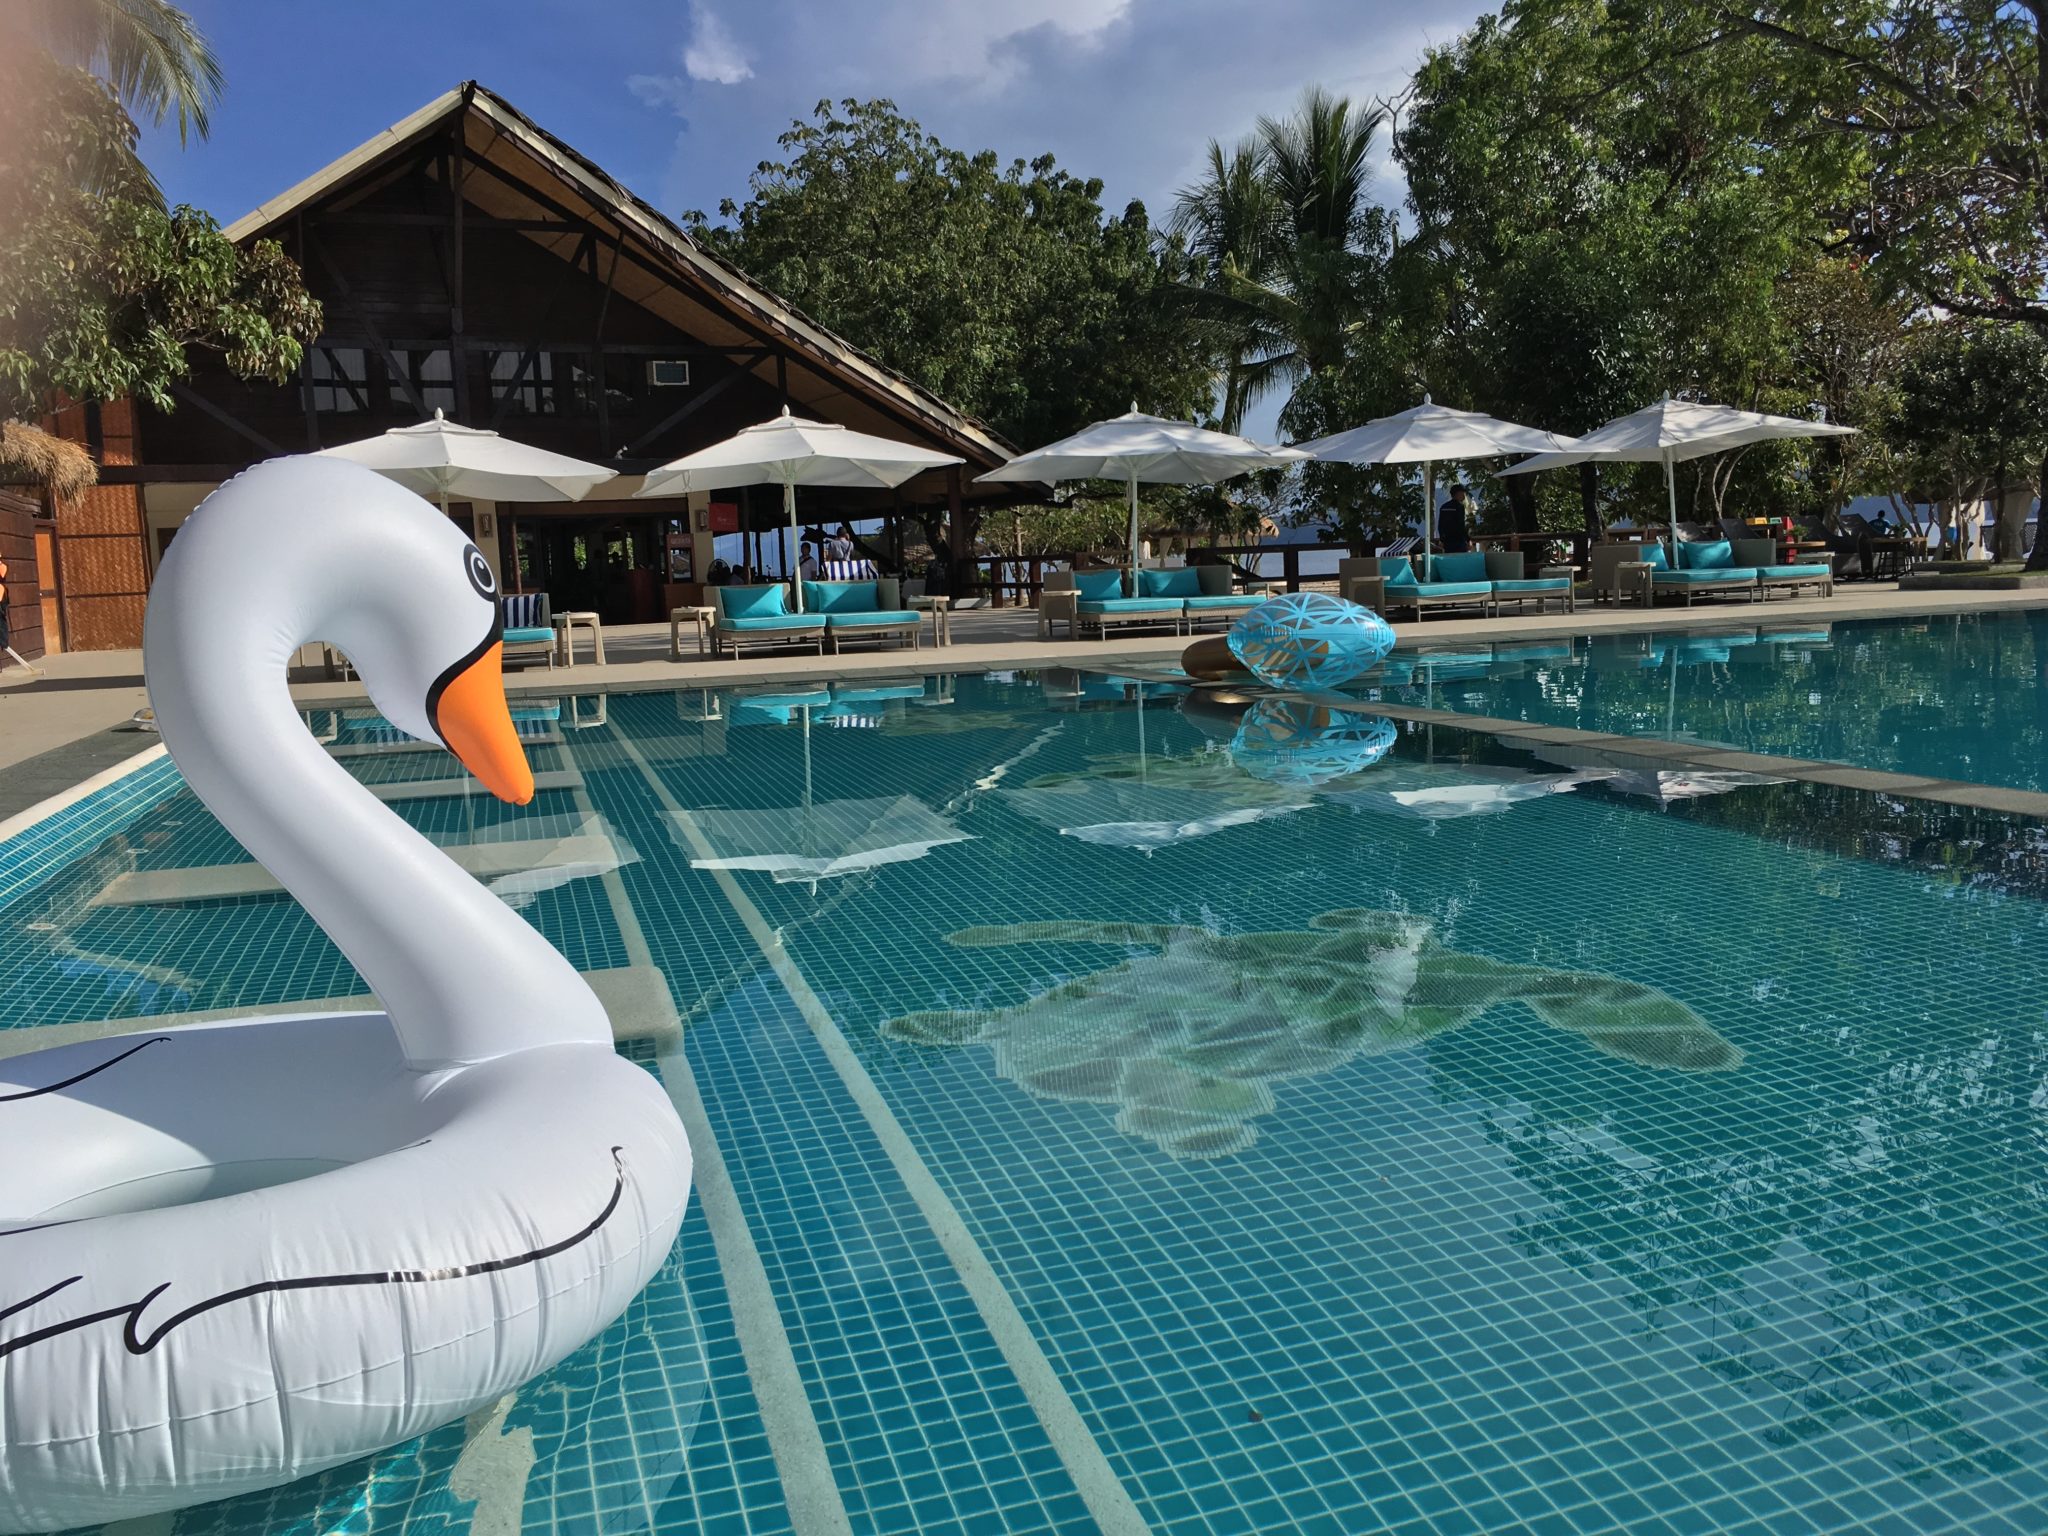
column 1428, row 512
column 1134, row 533
column 1671, row 489
column 796, row 585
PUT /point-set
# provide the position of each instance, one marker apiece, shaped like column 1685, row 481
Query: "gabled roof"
column 703, row 281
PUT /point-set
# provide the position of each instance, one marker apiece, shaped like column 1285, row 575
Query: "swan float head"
column 381, row 574
column 310, row 549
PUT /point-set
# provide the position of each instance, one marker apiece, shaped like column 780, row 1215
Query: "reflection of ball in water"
column 1285, row 741
column 1309, row 640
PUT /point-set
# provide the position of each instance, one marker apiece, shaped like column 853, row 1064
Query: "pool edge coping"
column 28, row 819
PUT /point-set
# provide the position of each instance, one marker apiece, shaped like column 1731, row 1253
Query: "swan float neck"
column 249, row 580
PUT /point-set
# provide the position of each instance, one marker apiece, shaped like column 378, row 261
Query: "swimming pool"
column 1957, row 696
column 1114, row 1113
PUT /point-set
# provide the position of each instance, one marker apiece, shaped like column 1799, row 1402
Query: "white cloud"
column 713, row 54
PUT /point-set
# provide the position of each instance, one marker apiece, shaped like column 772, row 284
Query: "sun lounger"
column 529, row 629
column 1773, row 577
column 862, row 610
column 760, row 616
column 1708, row 566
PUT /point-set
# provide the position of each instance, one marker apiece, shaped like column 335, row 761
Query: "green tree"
column 1974, row 405
column 1006, row 290
column 1599, row 233
column 1288, row 245
column 152, row 56
column 103, row 290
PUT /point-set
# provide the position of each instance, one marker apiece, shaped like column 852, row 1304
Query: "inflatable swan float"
column 235, row 1254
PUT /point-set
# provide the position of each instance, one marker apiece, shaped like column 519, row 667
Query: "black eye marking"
column 479, row 570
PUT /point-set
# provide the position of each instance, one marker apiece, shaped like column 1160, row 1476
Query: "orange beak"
column 473, row 719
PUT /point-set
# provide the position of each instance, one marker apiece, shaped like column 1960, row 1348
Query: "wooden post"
column 458, row 350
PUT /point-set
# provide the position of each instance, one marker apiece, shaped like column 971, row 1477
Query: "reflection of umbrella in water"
column 840, row 837
column 1130, row 802
column 1446, row 791
column 1657, row 778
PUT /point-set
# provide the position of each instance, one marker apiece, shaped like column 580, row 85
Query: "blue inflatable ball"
column 1309, row 640
column 1288, row 741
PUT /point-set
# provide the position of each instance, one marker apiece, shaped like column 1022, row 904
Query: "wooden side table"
column 1055, row 606
column 940, row 607
column 565, row 636
column 701, row 617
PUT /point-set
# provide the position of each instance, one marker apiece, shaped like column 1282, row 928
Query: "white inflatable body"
column 233, row 1255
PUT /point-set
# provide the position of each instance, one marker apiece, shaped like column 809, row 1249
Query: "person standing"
column 841, row 547
column 1453, row 534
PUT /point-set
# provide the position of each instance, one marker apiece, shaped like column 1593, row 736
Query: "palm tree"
column 147, row 51
column 1282, row 227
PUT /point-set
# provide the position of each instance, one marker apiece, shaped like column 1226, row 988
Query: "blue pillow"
column 1185, row 582
column 1096, row 586
column 840, row 597
column 1653, row 556
column 752, row 602
column 1466, row 567
column 1403, row 574
column 1710, row 555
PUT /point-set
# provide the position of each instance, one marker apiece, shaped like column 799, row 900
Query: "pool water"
column 1955, row 696
column 1116, row 1111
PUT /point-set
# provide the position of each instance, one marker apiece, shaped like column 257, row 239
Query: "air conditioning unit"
column 668, row 372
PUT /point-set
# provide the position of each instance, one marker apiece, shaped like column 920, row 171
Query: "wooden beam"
column 226, row 419
column 371, row 219
column 383, row 349
column 687, row 409
column 688, row 349
column 458, row 347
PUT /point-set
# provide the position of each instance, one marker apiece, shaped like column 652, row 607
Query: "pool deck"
column 70, row 724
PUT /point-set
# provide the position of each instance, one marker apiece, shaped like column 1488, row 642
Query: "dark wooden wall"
column 104, row 569
column 18, row 515
column 384, row 270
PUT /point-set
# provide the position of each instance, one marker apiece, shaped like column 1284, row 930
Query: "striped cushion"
column 848, row 570
column 528, row 612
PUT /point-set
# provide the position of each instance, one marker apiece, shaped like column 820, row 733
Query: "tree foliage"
column 103, row 290
column 1005, row 290
column 1288, row 247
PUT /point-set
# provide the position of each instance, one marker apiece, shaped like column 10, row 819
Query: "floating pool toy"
column 235, row 1254
column 1301, row 640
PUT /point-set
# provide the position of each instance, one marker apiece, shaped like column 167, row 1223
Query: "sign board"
column 725, row 517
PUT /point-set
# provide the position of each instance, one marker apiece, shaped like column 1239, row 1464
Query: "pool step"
column 635, row 997
column 451, row 789
column 386, row 748
column 217, row 882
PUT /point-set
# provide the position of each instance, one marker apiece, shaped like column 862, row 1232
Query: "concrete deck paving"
column 70, row 723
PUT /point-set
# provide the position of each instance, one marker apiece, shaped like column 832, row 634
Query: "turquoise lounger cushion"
column 1708, row 555
column 840, row 597
column 1098, row 586
column 1402, row 574
column 1129, row 605
column 1793, row 572
column 1455, row 588
column 1185, row 582
column 1457, row 568
column 528, row 636
column 750, row 602
column 874, row 618
column 773, row 623
column 1534, row 584
column 1737, row 576
column 1240, row 600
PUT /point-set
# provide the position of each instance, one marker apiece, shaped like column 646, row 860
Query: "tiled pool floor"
column 1094, row 1134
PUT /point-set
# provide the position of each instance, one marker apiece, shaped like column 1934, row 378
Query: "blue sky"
column 680, row 99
